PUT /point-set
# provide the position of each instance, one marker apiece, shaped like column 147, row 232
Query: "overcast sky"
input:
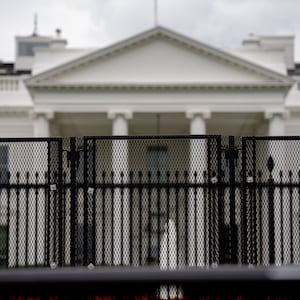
column 97, row 23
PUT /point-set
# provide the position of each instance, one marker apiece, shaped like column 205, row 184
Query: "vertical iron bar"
column 112, row 192
column 159, row 188
column 254, row 228
column 47, row 177
column 122, row 217
column 131, row 215
column 8, row 191
column 36, row 218
column 298, row 200
column 254, row 209
column 58, row 191
column 226, row 237
column 260, row 216
column 103, row 215
column 63, row 190
column 205, row 218
column 72, row 152
column 177, row 216
column 281, row 216
column 86, row 164
column 215, row 233
column 149, row 217
column 48, row 197
column 168, row 202
column 232, row 184
column 58, row 202
column 194, row 182
column 48, row 223
column 271, row 191
column 220, row 203
column 140, row 191
column 209, row 201
column 18, row 218
column 27, row 218
column 55, row 227
column 186, row 208
column 209, row 223
column 245, row 142
column 291, row 217
column 168, row 208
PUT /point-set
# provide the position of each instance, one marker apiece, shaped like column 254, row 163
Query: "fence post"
column 270, row 165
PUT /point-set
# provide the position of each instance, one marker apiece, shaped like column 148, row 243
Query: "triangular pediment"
column 158, row 57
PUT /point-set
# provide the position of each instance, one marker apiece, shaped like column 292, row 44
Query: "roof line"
column 152, row 33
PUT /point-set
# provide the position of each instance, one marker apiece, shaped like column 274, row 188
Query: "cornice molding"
column 204, row 113
column 161, row 86
column 14, row 111
column 127, row 114
column 49, row 115
column 271, row 113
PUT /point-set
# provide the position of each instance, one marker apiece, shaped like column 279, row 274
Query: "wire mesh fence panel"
column 167, row 201
column 28, row 203
column 271, row 200
column 141, row 191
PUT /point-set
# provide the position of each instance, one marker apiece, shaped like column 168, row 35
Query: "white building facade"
column 194, row 88
column 156, row 83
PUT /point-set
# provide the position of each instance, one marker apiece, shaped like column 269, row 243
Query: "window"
column 3, row 164
column 26, row 48
column 157, row 160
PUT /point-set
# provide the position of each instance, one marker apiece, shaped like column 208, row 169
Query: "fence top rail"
column 129, row 283
column 149, row 137
column 271, row 138
column 30, row 139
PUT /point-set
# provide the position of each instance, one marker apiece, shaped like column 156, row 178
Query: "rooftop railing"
column 9, row 83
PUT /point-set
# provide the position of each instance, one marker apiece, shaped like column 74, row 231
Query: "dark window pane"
column 26, row 48
column 3, row 164
column 157, row 161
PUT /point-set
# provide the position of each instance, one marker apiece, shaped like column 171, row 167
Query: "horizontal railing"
column 9, row 83
column 226, row 282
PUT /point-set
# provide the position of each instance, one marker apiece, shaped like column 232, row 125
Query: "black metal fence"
column 171, row 201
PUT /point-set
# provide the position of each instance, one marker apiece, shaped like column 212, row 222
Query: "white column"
column 276, row 124
column 41, row 126
column 197, row 123
column 121, row 201
column 198, row 163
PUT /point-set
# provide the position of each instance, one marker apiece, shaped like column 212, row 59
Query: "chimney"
column 58, row 42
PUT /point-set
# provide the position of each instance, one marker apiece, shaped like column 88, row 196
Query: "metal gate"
column 149, row 200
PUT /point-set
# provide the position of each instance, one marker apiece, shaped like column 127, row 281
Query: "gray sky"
column 97, row 23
